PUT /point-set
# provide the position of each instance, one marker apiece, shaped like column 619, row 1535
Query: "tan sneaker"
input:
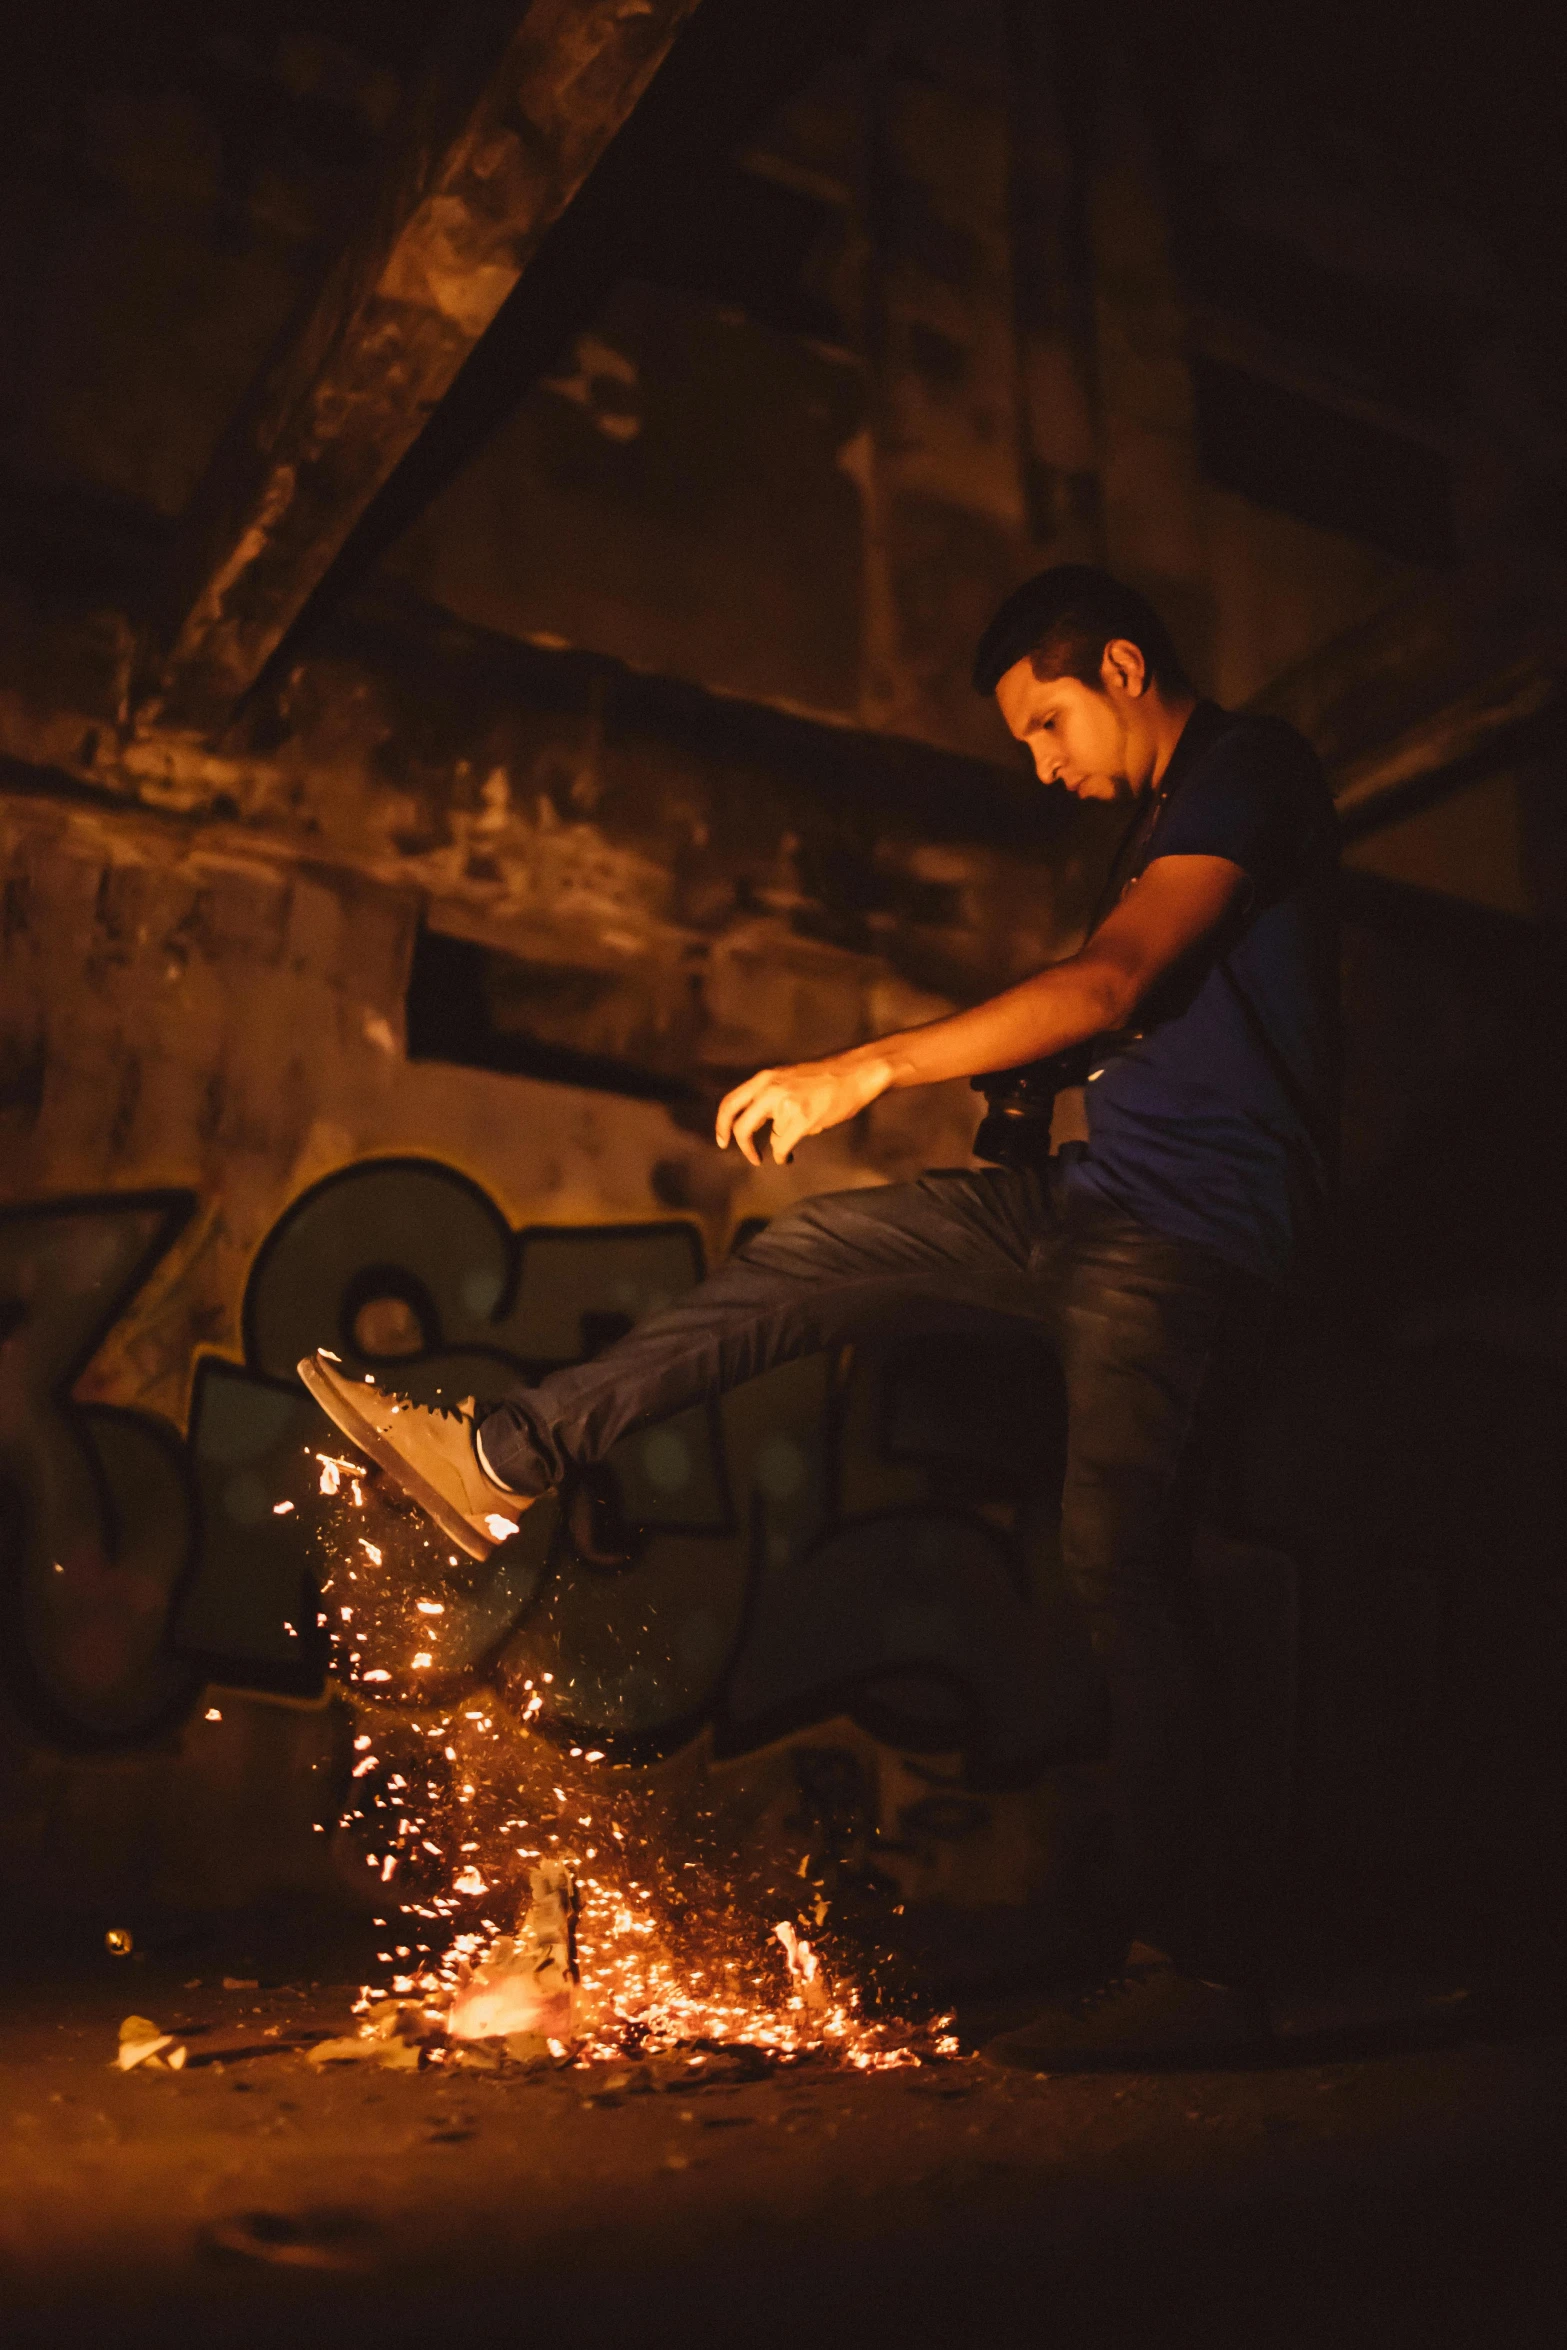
column 1150, row 2015
column 427, row 1450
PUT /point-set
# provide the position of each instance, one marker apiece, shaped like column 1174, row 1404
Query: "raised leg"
column 947, row 1250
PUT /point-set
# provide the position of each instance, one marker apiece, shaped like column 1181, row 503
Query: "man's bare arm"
column 1178, row 902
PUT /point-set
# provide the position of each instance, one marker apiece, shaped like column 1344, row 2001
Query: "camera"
column 1015, row 1130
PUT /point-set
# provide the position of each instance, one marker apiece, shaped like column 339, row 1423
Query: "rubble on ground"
column 144, row 2047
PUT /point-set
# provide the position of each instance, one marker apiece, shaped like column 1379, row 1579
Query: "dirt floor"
column 1399, row 2186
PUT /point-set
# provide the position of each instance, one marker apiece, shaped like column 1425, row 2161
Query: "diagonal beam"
column 527, row 114
column 1467, row 670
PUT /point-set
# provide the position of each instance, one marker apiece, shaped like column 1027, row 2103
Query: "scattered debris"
column 142, row 2044
column 532, row 2048
column 395, row 2034
column 524, row 2051
column 709, row 2063
column 479, row 2056
column 629, row 2080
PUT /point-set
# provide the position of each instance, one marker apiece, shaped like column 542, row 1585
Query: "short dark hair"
column 1061, row 621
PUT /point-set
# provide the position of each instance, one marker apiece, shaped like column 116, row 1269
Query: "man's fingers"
column 788, row 1129
column 756, row 1114
column 781, row 1098
column 733, row 1103
column 728, row 1110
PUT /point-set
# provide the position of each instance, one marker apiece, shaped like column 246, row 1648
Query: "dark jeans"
column 1153, row 1336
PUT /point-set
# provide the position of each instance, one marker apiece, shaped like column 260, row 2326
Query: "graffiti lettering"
column 95, row 1518
column 850, row 1535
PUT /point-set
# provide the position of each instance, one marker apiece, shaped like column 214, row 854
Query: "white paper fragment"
column 141, row 2043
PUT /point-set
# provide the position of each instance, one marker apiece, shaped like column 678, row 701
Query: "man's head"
column 1086, row 677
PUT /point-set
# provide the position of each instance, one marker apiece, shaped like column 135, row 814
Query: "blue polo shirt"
column 1216, row 1120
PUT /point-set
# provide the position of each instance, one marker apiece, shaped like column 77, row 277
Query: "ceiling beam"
column 1439, row 687
column 509, row 128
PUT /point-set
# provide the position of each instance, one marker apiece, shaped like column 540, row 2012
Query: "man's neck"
column 1166, row 723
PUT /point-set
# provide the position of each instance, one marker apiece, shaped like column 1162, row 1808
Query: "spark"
column 668, row 1962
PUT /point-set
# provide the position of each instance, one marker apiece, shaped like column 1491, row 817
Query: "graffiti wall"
column 864, row 1538
column 220, row 1154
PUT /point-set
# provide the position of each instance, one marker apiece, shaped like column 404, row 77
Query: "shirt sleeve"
column 1253, row 801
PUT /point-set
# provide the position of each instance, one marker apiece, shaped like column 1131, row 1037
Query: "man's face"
column 1077, row 737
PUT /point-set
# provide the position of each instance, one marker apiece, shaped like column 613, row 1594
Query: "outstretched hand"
column 806, row 1099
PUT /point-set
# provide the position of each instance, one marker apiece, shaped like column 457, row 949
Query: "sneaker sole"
column 323, row 1387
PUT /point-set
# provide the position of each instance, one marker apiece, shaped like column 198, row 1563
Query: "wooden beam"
column 508, row 131
column 1462, row 671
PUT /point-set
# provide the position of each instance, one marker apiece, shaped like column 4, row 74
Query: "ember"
column 613, row 1947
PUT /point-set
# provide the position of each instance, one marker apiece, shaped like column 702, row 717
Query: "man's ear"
column 1123, row 665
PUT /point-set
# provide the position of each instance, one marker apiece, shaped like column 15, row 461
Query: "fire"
column 592, row 1938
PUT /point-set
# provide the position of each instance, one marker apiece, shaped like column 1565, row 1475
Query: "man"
column 1153, row 1254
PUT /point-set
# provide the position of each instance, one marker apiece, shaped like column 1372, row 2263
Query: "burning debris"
column 527, row 1983
column 519, row 1999
column 394, row 2034
column 804, row 1966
